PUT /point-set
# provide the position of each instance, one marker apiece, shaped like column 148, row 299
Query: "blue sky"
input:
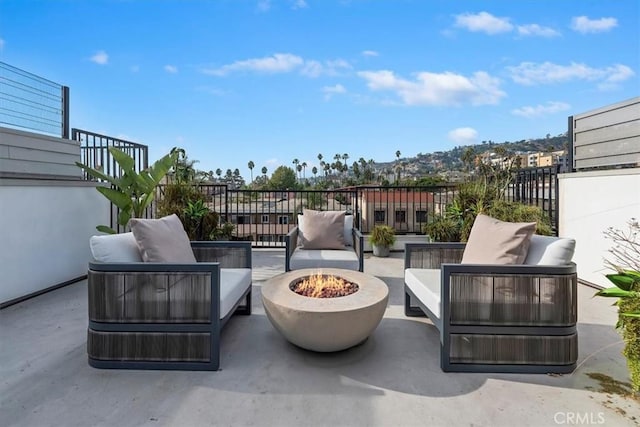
column 273, row 80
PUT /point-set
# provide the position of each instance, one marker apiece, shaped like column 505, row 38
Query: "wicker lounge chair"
column 146, row 315
column 349, row 257
column 494, row 318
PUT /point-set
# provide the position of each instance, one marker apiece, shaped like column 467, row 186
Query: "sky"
column 269, row 81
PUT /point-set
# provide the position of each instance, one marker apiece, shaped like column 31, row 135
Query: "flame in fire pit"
column 323, row 286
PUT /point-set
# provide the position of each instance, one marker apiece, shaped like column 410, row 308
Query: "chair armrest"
column 358, row 246
column 149, row 292
column 291, row 243
column 230, row 254
column 509, row 294
column 432, row 255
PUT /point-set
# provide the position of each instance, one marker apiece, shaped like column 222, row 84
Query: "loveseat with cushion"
column 324, row 239
column 158, row 301
column 506, row 301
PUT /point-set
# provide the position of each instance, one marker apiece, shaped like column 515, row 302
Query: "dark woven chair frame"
column 160, row 315
column 499, row 318
column 291, row 244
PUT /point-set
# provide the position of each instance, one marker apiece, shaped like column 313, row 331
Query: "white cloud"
column 299, row 4
column 329, row 91
column 530, row 73
column 278, row 63
column 312, row 69
column 483, row 22
column 463, row 136
column 172, row 69
column 283, row 63
column 100, row 57
column 584, row 25
column 541, row 110
column 437, row 89
column 537, row 30
column 369, row 53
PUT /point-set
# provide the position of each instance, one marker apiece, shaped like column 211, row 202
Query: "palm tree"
column 296, row 162
column 314, row 171
column 304, row 170
column 264, row 171
column 398, row 154
column 251, row 165
column 320, row 157
column 219, row 173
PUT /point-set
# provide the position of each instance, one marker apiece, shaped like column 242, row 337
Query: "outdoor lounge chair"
column 497, row 318
column 313, row 244
column 162, row 315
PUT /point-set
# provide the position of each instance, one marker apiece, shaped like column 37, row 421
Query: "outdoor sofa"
column 164, row 315
column 497, row 317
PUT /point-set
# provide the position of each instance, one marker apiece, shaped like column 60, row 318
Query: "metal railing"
column 94, row 152
column 33, row 103
column 538, row 187
column 265, row 216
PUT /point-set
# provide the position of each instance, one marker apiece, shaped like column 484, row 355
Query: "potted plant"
column 626, row 263
column 382, row 238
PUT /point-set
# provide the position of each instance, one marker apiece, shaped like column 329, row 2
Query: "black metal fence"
column 33, row 103
column 538, row 187
column 94, row 152
column 265, row 216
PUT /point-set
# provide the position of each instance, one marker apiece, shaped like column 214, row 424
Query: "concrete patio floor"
column 393, row 379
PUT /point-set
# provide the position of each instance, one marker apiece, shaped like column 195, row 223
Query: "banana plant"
column 627, row 285
column 132, row 192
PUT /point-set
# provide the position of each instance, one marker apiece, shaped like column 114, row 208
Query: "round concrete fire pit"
column 325, row 324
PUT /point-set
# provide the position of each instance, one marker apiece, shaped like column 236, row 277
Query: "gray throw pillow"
column 162, row 240
column 322, row 229
column 492, row 241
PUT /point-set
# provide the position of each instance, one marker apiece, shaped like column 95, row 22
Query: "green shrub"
column 519, row 212
column 382, row 235
column 188, row 203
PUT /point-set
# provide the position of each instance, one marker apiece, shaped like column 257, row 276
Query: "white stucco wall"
column 45, row 228
column 590, row 202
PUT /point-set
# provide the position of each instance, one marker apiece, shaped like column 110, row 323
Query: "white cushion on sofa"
column 550, row 250
column 115, row 248
column 425, row 285
column 325, row 258
column 233, row 283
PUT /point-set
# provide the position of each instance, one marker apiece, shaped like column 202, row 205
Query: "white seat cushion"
column 324, row 258
column 115, row 248
column 233, row 283
column 425, row 285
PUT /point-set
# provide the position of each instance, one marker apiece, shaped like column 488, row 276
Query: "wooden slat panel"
column 42, row 168
column 619, row 147
column 46, row 155
column 610, row 133
column 606, row 117
column 627, row 159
